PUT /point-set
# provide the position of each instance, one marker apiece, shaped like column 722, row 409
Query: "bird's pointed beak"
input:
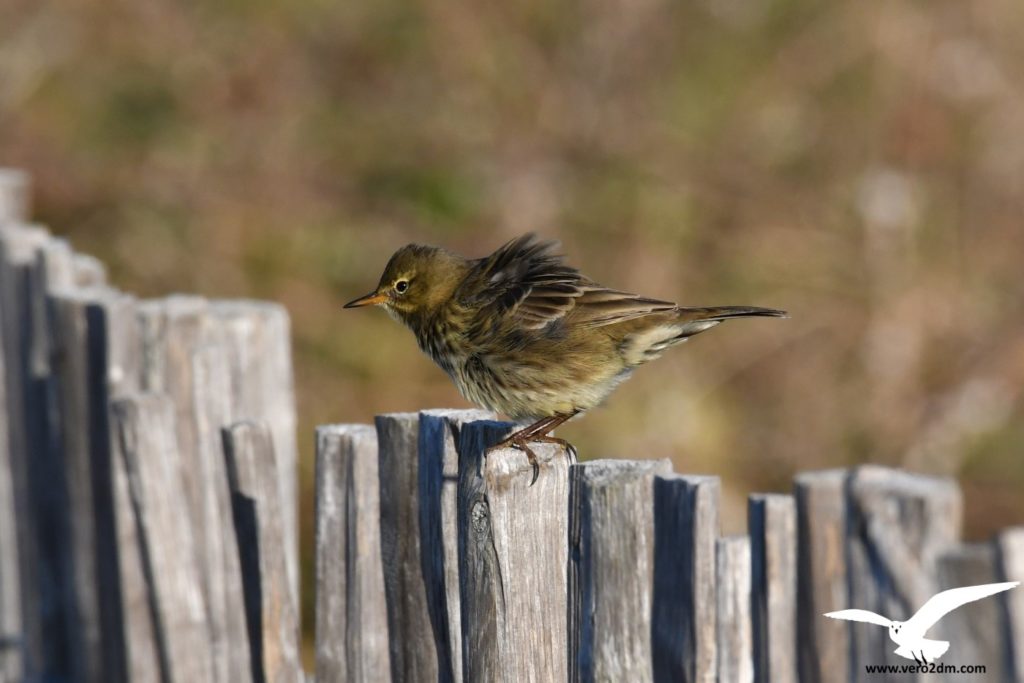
column 371, row 299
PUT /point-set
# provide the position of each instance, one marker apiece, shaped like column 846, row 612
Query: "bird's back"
column 535, row 338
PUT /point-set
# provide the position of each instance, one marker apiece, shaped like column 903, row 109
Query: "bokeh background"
column 860, row 164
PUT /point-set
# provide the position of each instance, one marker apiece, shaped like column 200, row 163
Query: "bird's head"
column 894, row 629
column 416, row 282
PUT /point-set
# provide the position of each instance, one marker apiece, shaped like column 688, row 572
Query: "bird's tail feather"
column 696, row 320
column 726, row 312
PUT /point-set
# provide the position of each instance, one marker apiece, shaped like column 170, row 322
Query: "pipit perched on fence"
column 521, row 333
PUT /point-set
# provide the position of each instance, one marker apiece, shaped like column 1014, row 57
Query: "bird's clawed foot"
column 536, row 433
column 569, row 448
column 520, row 444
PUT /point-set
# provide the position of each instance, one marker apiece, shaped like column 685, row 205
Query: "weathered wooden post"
column 438, row 477
column 12, row 554
column 771, row 519
column 683, row 621
column 412, row 652
column 611, row 550
column 210, row 410
column 271, row 613
column 145, row 442
column 115, row 359
column 80, row 369
column 899, row 525
column 513, row 553
column 351, row 615
column 977, row 632
column 32, row 265
column 257, row 335
column 735, row 640
column 824, row 650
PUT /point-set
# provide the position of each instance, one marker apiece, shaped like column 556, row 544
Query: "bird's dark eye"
column 401, row 286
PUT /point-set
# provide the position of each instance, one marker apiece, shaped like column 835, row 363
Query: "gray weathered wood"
column 735, row 639
column 245, row 345
column 351, row 617
column 11, row 668
column 173, row 329
column 772, row 522
column 145, row 440
column 17, row 252
column 225, row 603
column 823, row 649
column 899, row 525
column 1010, row 556
column 977, row 632
column 683, row 621
column 89, row 271
column 114, row 362
column 611, row 543
column 438, row 477
column 513, row 553
column 15, row 190
column 413, row 655
column 30, row 267
column 73, row 392
column 258, row 337
column 271, row 613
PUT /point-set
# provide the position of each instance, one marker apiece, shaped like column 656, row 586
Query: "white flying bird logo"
column 909, row 634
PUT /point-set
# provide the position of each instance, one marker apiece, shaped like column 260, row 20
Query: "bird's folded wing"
column 942, row 603
column 523, row 280
column 532, row 286
column 860, row 615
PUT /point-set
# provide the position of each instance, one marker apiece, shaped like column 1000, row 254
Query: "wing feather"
column 860, row 615
column 940, row 604
column 526, row 283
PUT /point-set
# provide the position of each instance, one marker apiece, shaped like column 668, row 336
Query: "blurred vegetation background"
column 860, row 164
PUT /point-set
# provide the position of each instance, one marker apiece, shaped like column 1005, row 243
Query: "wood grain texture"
column 735, row 637
column 145, row 441
column 771, row 520
column 412, row 651
column 438, row 477
column 976, row 631
column 611, row 544
column 32, row 265
column 271, row 613
column 222, row 575
column 351, row 616
column 513, row 554
column 258, row 339
column 114, row 371
column 73, row 395
column 12, row 555
column 821, row 576
column 899, row 525
column 683, row 621
column 221, row 362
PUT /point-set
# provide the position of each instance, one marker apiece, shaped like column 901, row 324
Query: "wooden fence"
column 147, row 526
column 147, row 476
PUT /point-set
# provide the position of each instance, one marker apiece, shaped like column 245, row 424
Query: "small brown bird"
column 521, row 333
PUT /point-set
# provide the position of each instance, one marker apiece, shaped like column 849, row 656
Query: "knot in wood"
column 480, row 516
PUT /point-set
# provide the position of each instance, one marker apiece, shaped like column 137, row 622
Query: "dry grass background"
column 858, row 163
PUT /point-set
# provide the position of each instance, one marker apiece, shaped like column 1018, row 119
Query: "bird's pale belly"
column 523, row 392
